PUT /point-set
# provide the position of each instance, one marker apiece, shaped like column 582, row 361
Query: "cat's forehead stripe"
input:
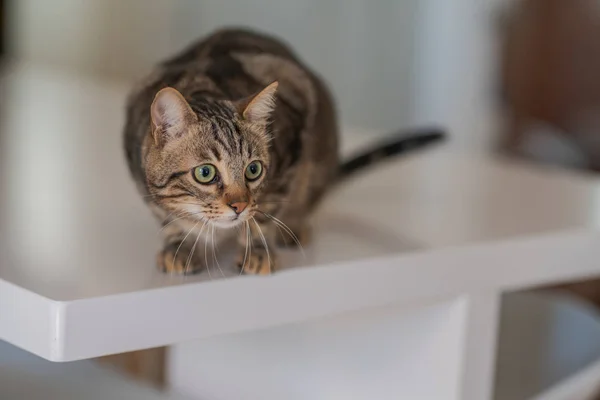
column 218, row 137
column 222, row 120
column 230, row 132
column 215, row 153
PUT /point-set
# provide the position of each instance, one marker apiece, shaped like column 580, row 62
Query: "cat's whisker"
column 280, row 230
column 289, row 231
column 247, row 246
column 213, row 251
column 264, row 241
column 179, row 217
column 169, row 215
column 205, row 257
column 181, row 213
column 216, row 243
column 173, row 214
column 180, row 244
column 191, row 255
column 250, row 241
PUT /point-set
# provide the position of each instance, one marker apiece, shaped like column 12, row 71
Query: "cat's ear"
column 170, row 114
column 258, row 108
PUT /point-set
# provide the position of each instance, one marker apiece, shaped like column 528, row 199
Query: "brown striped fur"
column 235, row 98
column 215, row 112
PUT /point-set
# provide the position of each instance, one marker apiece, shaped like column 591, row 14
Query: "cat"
column 237, row 132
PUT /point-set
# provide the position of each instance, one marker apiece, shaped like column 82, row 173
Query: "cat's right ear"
column 259, row 107
column 170, row 114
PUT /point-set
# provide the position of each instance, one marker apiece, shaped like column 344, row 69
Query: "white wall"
column 364, row 50
column 390, row 64
column 457, row 69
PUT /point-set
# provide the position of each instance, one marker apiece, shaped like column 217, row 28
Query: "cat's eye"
column 254, row 170
column 205, row 174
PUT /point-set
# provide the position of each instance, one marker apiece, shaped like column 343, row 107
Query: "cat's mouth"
column 231, row 221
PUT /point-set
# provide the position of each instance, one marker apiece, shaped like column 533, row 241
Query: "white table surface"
column 77, row 246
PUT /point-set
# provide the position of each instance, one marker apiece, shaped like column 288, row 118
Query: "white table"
column 414, row 254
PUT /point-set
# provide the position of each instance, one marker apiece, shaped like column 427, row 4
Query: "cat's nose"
column 238, row 206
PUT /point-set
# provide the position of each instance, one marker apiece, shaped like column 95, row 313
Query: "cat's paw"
column 301, row 237
column 174, row 259
column 259, row 262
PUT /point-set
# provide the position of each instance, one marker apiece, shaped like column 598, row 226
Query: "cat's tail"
column 397, row 144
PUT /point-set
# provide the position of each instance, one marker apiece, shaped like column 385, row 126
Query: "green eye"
column 254, row 170
column 205, row 173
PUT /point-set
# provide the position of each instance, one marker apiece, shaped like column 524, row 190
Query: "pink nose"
column 238, row 206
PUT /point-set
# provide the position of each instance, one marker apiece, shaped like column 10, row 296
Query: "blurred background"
column 390, row 64
column 517, row 77
column 513, row 74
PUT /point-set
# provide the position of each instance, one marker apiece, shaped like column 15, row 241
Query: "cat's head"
column 209, row 161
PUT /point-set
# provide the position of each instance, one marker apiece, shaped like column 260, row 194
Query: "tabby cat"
column 236, row 132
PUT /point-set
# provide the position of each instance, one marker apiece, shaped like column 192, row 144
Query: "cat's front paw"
column 259, row 262
column 176, row 259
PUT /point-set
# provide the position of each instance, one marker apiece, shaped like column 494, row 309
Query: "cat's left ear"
column 258, row 108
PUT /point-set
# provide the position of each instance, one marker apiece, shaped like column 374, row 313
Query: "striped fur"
column 215, row 111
